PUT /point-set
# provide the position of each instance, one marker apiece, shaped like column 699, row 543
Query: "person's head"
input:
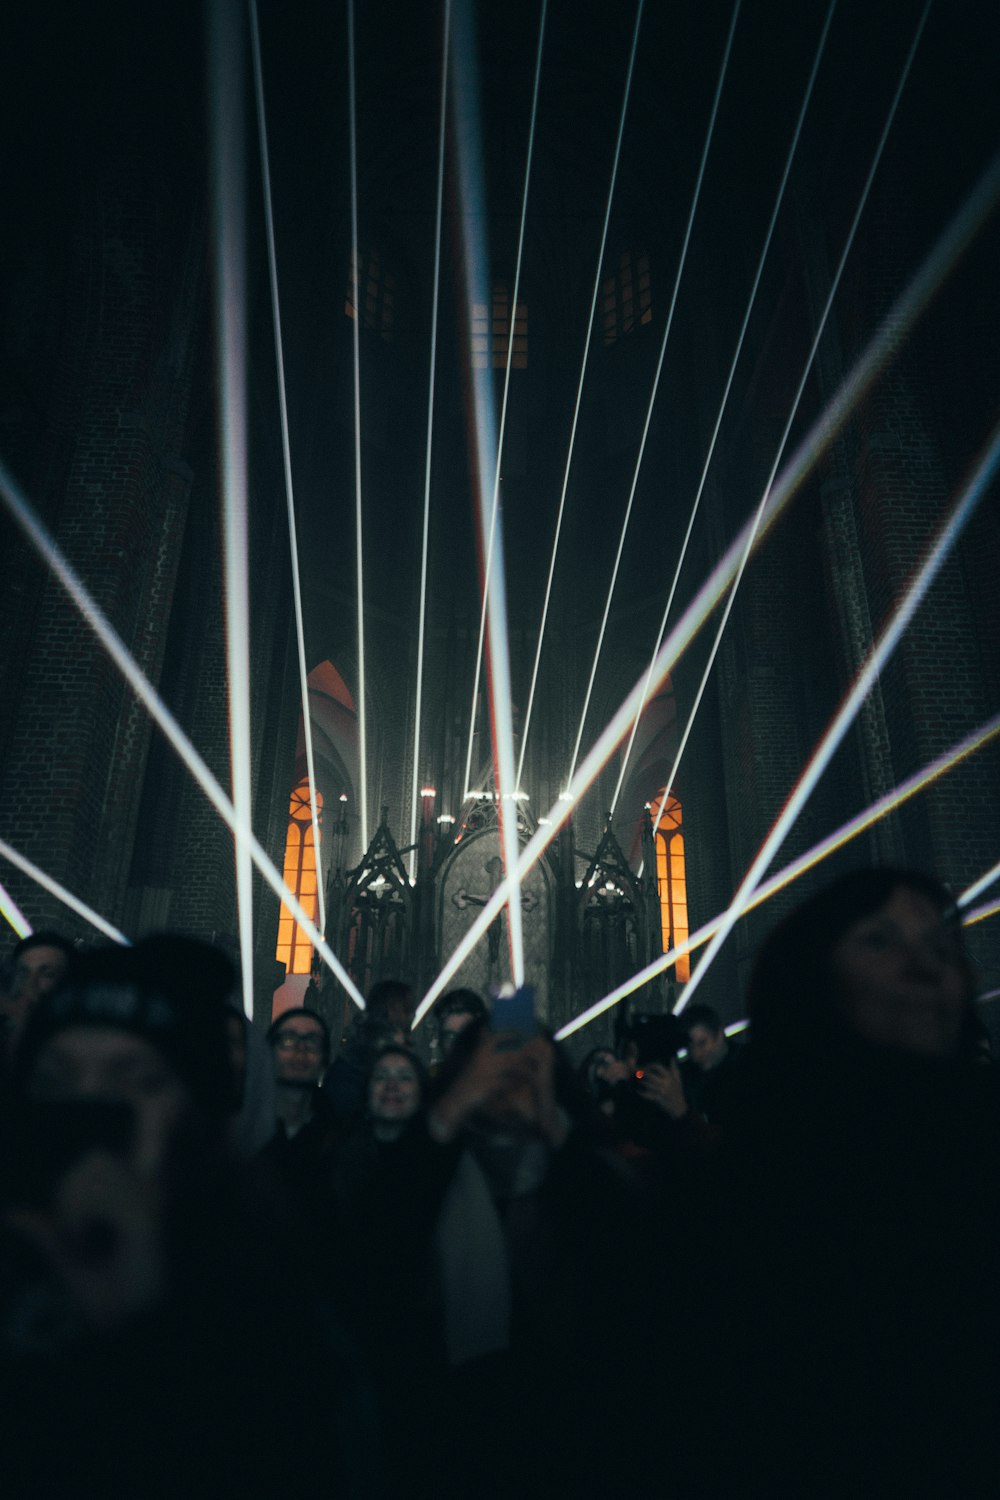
column 877, row 955
column 300, row 1043
column 395, row 1093
column 119, row 1035
column 600, row 1070
column 455, row 1011
column 38, row 963
column 708, row 1044
column 390, row 1004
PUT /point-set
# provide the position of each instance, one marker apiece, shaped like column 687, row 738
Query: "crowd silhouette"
column 693, row 1265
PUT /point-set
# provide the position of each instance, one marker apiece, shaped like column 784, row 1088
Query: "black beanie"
column 168, row 990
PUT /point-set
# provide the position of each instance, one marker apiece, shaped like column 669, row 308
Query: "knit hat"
column 169, row 990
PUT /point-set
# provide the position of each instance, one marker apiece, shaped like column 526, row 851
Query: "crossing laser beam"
column 726, row 391
column 979, row 886
column 884, row 805
column 813, row 349
column 485, row 450
column 356, row 346
column 12, row 914
column 425, row 537
column 878, row 353
column 948, row 534
column 227, row 166
column 579, row 389
column 979, row 914
column 286, row 455
column 511, row 331
column 158, row 711
column 47, row 883
column 656, row 385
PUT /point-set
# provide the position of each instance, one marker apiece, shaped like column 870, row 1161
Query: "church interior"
column 489, row 426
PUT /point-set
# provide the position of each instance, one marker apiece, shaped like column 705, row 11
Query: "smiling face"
column 394, row 1090
column 299, row 1052
column 900, row 978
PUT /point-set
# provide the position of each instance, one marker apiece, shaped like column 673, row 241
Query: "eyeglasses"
column 288, row 1041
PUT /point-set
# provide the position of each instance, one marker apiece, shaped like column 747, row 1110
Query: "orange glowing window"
column 626, row 296
column 377, row 292
column 672, row 880
column 491, row 333
column 294, row 949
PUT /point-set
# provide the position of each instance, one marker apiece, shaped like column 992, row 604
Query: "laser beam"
column 286, row 455
column 27, row 867
column 579, row 390
column 805, row 862
column 842, row 720
column 821, row 326
column 227, row 166
column 978, row 886
column 656, row 385
column 12, row 914
column 356, row 346
column 878, row 353
column 726, row 391
column 116, row 649
column 512, row 327
column 979, row 914
column 442, row 124
column 485, row 451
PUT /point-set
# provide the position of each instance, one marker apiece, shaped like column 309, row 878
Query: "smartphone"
column 514, row 1012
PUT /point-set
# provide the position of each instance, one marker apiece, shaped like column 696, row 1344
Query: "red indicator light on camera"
column 640, row 1073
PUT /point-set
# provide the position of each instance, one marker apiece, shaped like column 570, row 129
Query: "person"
column 655, row 1127
column 300, row 1046
column 599, row 1072
column 453, row 1012
column 37, row 964
column 389, row 1180
column 857, row 1210
column 540, row 1254
column 139, row 1296
column 395, row 1092
column 302, row 1151
column 386, row 1018
column 713, row 1062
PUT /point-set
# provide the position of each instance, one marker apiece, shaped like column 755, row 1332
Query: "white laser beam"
column 798, row 867
column 483, row 437
column 727, row 389
column 358, row 514
column 903, row 314
column 227, row 165
column 143, row 689
column 656, row 385
column 579, row 390
column 286, row 456
column 842, row 720
column 54, row 888
column 813, row 349
column 12, row 914
column 425, row 535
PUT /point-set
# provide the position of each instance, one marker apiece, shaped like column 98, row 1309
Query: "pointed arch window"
column 491, row 333
column 294, row 948
column 671, row 878
column 373, row 290
column 626, row 296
